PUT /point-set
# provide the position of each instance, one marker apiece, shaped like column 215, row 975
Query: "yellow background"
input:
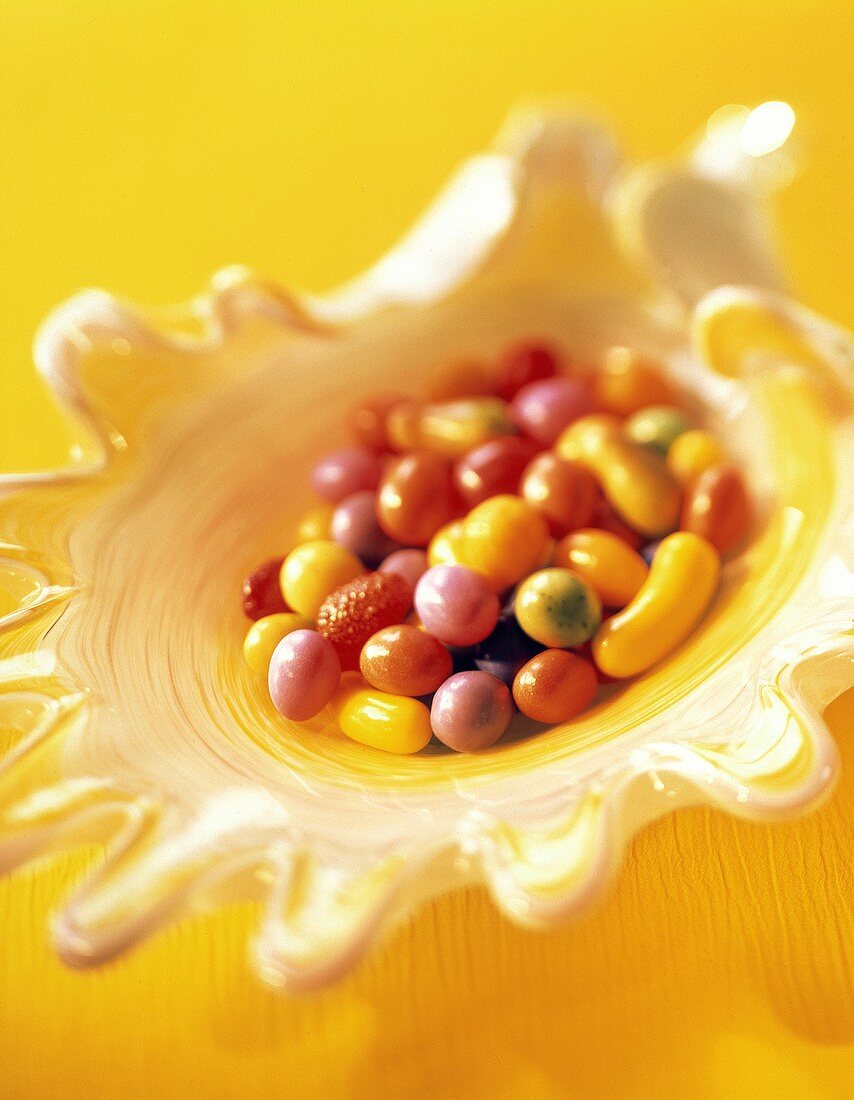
column 144, row 144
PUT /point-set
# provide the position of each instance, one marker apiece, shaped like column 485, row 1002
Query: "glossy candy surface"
column 404, row 660
column 342, row 473
column 627, row 382
column 265, row 634
column 471, row 711
column 681, row 583
column 527, row 361
column 692, row 453
column 637, row 485
column 356, row 610
column 564, row 492
column 261, row 592
column 392, row 723
column 557, row 608
column 657, row 427
column 493, row 468
column 313, row 570
column 504, row 538
column 415, row 498
column 544, row 409
column 717, row 506
column 304, row 673
column 609, row 565
column 409, row 564
column 456, row 605
column 355, row 525
column 455, row 427
column 554, row 686
column 445, row 546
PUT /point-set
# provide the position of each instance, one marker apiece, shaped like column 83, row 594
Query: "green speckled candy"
column 557, row 608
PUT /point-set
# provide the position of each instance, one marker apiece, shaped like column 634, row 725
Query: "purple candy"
column 456, row 605
column 470, row 711
column 354, row 525
column 304, row 673
column 409, row 564
column 342, row 473
column 544, row 409
column 506, row 649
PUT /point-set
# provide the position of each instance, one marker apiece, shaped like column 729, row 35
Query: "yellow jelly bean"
column 316, row 523
column 265, row 634
column 313, row 570
column 393, row 723
column 583, row 440
column 681, row 583
column 504, row 538
column 454, row 428
column 637, row 484
column 444, row 547
column 692, row 453
column 610, row 566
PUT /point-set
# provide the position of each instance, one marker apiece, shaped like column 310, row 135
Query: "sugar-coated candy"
column 544, row 409
column 627, row 382
column 693, row 452
column 554, row 686
column 717, row 506
column 565, row 492
column 557, row 608
column 261, row 592
column 355, row 525
column 609, row 565
column 454, row 427
column 415, row 498
column 265, row 634
column 657, row 427
column 506, row 649
column 456, row 605
column 352, row 613
column 369, row 418
column 404, row 660
column 380, row 720
column 504, row 538
column 313, row 570
column 493, row 468
column 342, row 473
column 409, row 564
column 471, row 711
column 304, row 674
column 524, row 362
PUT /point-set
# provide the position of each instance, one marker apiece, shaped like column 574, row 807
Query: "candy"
column 462, row 378
column 409, row 564
column 265, row 634
column 692, row 452
column 544, row 409
column 316, row 524
column 342, row 473
column 405, row 661
column 610, row 566
column 456, row 605
column 304, row 673
column 455, row 427
column 627, row 383
column 392, row 723
column 369, row 418
column 554, row 686
column 471, row 711
column 415, row 498
column 493, row 468
column 504, row 538
column 680, row 585
column 657, row 427
column 355, row 525
column 261, row 592
column 445, row 546
column 525, row 362
column 506, row 649
column 313, row 570
column 358, row 609
column 564, row 492
column 557, row 608
column 403, row 426
column 584, row 440
column 718, row 508
column 606, row 519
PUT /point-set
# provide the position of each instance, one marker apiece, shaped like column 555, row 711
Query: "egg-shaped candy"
column 265, row 634
column 358, row 609
column 304, row 674
column 456, row 605
column 627, row 382
column 415, row 498
column 557, row 608
column 409, row 564
column 504, row 538
column 524, row 362
column 565, row 492
column 545, row 409
column 355, row 525
column 404, row 660
column 262, row 594
column 471, row 711
column 493, row 468
column 342, row 473
column 718, row 507
column 554, row 686
column 313, row 570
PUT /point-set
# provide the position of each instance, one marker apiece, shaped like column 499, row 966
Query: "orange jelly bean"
column 554, row 686
column 718, row 508
column 565, row 492
column 628, row 382
column 404, row 660
column 415, row 498
column 610, row 566
column 504, row 538
column 369, row 418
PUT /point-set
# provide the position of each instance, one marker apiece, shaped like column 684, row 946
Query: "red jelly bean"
column 355, row 611
column 261, row 592
column 493, row 468
column 528, row 361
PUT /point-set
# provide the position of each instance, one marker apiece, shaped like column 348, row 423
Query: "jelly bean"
column 504, row 538
column 584, row 440
column 462, row 378
column 525, row 362
column 342, row 473
column 409, row 564
column 265, row 634
column 355, row 525
column 415, row 498
column 455, row 427
column 557, row 608
column 493, row 468
column 403, row 426
column 471, row 711
column 456, row 605
column 405, row 661
column 316, row 524
column 606, row 519
column 680, row 586
column 444, row 547
column 554, row 686
column 506, row 649
column 369, row 418
column 627, row 382
column 261, row 592
column 565, row 492
column 359, row 608
column 304, row 674
column 544, row 409
column 693, row 452
column 392, row 723
column 657, row 426
column 313, row 570
column 610, row 566
column 718, row 508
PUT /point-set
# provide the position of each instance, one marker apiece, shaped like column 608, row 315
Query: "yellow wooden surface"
column 144, row 145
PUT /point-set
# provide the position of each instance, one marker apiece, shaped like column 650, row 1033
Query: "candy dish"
column 129, row 716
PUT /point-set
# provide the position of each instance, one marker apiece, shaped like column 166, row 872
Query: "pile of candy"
column 519, row 537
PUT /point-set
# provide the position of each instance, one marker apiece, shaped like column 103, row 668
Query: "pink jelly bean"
column 304, row 673
column 342, row 473
column 409, row 564
column 471, row 710
column 544, row 409
column 354, row 525
column 456, row 605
